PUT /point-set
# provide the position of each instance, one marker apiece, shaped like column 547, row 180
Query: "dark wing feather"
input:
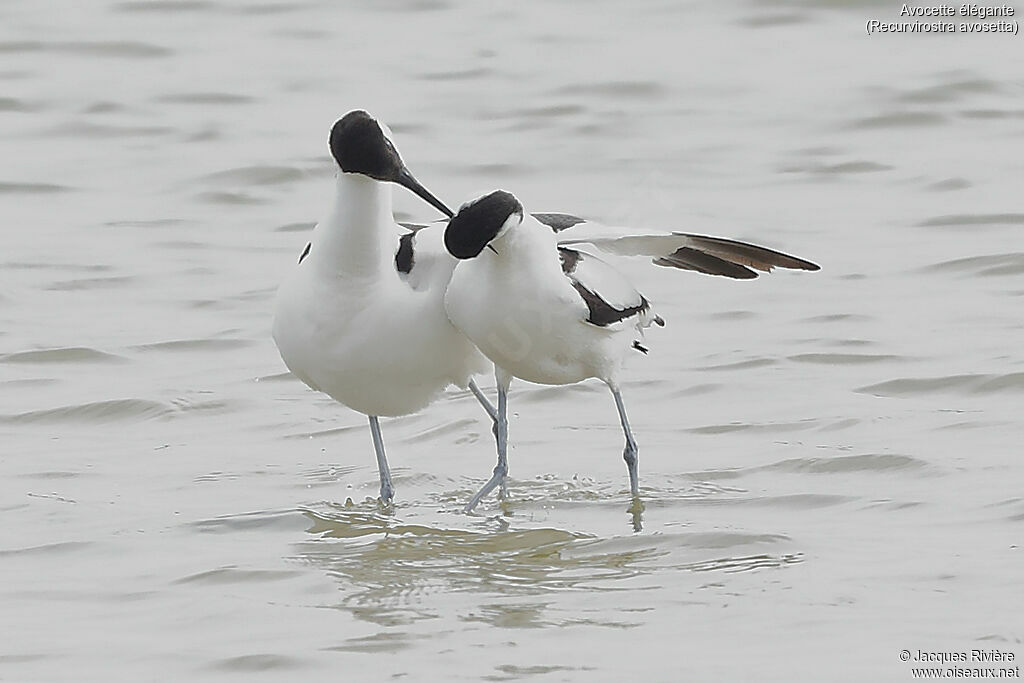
column 558, row 221
column 609, row 297
column 701, row 253
column 404, row 257
column 759, row 258
column 686, row 258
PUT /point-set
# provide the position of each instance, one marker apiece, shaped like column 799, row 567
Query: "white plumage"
column 520, row 307
column 354, row 320
column 349, row 324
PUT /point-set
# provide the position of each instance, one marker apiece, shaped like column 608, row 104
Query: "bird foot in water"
column 636, row 511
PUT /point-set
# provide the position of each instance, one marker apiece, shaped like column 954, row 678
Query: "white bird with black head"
column 361, row 316
column 546, row 311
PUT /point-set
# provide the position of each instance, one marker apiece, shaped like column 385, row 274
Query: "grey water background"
column 831, row 462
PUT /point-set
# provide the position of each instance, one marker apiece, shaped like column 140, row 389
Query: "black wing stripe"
column 404, row 258
column 602, row 313
column 746, row 254
column 686, row 258
column 569, row 259
column 599, row 311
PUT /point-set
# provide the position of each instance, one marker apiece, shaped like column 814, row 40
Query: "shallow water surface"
column 830, row 461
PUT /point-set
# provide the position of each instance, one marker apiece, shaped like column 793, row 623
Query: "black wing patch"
column 558, row 221
column 569, row 259
column 686, row 258
column 603, row 313
column 404, row 258
column 759, row 258
column 305, row 252
column 600, row 312
column 719, row 256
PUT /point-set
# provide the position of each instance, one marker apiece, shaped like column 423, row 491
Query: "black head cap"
column 359, row 145
column 478, row 222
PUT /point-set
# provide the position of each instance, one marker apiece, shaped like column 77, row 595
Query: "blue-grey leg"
column 630, row 452
column 484, row 402
column 501, row 437
column 387, row 490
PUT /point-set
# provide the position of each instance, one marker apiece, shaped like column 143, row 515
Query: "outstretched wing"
column 704, row 254
column 686, row 251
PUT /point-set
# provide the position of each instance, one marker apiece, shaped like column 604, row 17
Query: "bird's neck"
column 357, row 235
column 525, row 247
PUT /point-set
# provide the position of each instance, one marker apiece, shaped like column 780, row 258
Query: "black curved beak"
column 406, row 180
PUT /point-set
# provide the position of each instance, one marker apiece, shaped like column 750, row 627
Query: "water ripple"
column 164, row 5
column 87, row 129
column 960, row 384
column 950, row 91
column 992, row 114
column 255, row 663
column 119, row 49
column 383, row 642
column 859, row 166
column 194, row 345
column 71, row 354
column 616, row 89
column 14, row 104
column 85, row 283
column 255, row 175
column 46, row 549
column 950, row 184
column 900, row 119
column 838, row 317
column 983, row 266
column 845, row 358
column 32, row 188
column 452, row 431
column 867, row 462
column 742, row 365
column 746, row 564
column 768, row 427
column 234, row 575
column 229, row 198
column 206, row 98
column 456, row 75
column 971, row 220
column 96, row 412
column 260, row 521
column 772, row 20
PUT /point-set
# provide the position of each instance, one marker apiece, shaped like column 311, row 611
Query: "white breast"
column 372, row 343
column 519, row 308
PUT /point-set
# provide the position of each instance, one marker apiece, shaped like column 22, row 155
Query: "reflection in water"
column 393, row 572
